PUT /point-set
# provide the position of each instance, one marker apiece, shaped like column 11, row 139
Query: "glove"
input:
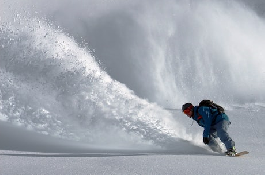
column 206, row 140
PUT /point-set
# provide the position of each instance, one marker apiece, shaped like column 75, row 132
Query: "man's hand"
column 206, row 140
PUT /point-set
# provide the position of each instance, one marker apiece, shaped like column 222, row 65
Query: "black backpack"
column 211, row 104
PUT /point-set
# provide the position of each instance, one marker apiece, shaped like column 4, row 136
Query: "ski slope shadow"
column 32, row 144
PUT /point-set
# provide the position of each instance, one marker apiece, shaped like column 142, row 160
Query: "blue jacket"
column 207, row 117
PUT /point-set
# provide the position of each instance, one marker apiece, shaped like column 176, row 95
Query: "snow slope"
column 96, row 87
column 88, row 160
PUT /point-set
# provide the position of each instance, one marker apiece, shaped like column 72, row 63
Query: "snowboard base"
column 241, row 153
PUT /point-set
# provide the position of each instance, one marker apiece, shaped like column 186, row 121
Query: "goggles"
column 187, row 111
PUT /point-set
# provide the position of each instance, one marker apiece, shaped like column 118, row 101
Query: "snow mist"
column 105, row 74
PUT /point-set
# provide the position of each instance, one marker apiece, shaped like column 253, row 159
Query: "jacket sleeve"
column 207, row 117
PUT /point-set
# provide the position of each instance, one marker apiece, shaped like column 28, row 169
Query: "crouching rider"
column 215, row 125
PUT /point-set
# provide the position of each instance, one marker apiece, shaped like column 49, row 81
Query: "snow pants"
column 220, row 130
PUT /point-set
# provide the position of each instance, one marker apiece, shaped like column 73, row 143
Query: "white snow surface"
column 62, row 157
column 96, row 86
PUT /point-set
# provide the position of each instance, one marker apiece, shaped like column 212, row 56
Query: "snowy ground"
column 247, row 129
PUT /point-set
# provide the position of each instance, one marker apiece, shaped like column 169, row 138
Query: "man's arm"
column 207, row 117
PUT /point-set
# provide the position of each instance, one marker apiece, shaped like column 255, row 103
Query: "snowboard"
column 241, row 153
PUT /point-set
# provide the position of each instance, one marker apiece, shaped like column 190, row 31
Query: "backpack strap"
column 199, row 117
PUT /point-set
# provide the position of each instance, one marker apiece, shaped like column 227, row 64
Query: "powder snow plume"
column 51, row 85
column 102, row 72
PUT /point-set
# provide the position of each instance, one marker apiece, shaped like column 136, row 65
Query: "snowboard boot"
column 231, row 152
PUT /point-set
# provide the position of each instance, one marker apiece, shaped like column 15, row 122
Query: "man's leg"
column 221, row 128
column 213, row 144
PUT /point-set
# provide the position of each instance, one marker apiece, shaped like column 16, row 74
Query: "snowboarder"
column 215, row 125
